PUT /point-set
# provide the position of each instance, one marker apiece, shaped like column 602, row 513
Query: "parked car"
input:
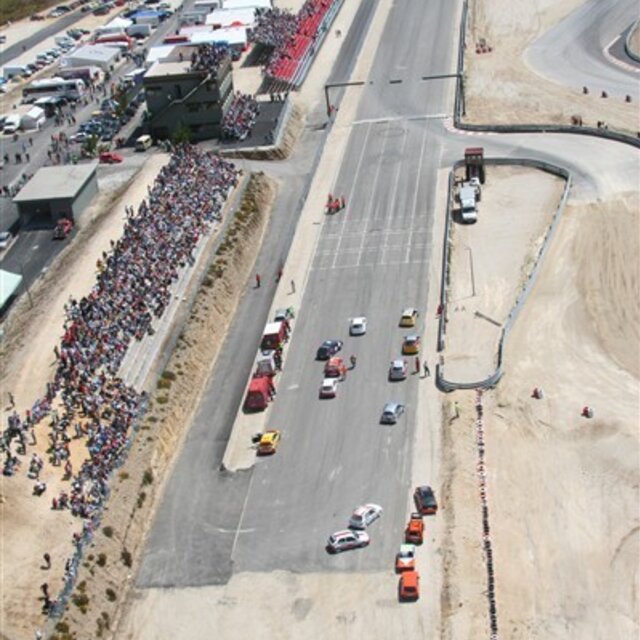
column 406, row 558
column 5, row 239
column 63, row 228
column 411, row 345
column 358, row 326
column 398, row 370
column 329, row 388
column 328, row 348
column 363, row 516
column 269, row 442
column 391, row 413
column 409, row 317
column 110, row 157
column 80, row 136
column 409, row 587
column 283, row 314
column 348, row 539
column 425, row 500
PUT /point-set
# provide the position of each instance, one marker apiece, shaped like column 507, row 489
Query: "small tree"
column 181, row 134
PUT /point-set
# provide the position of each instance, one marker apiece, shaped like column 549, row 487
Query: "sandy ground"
column 489, row 263
column 510, row 26
column 565, row 488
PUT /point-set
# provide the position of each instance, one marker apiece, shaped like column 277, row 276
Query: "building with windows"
column 192, row 88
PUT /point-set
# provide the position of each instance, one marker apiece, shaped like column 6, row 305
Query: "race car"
column 409, row 317
column 363, row 516
column 328, row 348
column 347, row 539
column 406, row 558
column 398, row 370
column 409, row 587
column 329, row 388
column 415, row 529
column 425, row 500
column 268, row 442
column 411, row 345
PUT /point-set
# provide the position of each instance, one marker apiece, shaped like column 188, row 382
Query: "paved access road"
column 371, row 260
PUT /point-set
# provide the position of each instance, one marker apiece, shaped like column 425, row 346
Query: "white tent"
column 246, row 4
column 231, row 17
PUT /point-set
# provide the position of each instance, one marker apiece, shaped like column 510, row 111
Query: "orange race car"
column 415, row 529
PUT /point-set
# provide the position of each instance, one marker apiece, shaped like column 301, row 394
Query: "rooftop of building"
column 50, row 183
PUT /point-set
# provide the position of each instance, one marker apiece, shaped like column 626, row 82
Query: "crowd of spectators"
column 291, row 36
column 240, row 118
column 87, row 398
column 275, row 28
column 207, row 57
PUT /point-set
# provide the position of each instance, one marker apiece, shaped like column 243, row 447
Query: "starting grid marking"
column 379, row 247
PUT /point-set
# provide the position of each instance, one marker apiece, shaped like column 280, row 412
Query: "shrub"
column 111, row 594
column 141, row 498
column 147, row 477
column 81, row 600
column 102, row 559
column 163, row 384
column 123, row 475
column 127, row 558
column 168, row 375
column 108, row 531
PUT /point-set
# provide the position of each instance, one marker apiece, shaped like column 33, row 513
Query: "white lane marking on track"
column 393, row 195
column 373, row 191
column 417, row 116
column 393, row 192
column 415, row 196
column 355, row 181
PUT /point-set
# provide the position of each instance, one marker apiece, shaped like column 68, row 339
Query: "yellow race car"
column 411, row 345
column 268, row 442
column 409, row 317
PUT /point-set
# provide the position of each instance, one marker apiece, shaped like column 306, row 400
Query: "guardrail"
column 441, row 382
column 459, row 110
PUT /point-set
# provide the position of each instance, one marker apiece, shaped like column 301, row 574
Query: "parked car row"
column 104, row 123
column 409, row 584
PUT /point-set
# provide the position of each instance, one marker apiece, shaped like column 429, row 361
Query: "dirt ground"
column 502, row 77
column 490, row 261
column 565, row 488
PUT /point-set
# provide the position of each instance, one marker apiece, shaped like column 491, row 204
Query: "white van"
column 143, row 143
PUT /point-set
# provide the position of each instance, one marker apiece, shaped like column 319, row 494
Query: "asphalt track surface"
column 370, row 260
column 579, row 41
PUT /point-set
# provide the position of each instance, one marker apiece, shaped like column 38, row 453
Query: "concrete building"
column 92, row 55
column 179, row 96
column 57, row 192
